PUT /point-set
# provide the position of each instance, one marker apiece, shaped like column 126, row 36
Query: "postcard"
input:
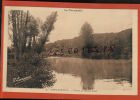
column 70, row 50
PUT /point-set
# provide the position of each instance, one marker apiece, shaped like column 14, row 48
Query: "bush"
column 39, row 69
column 43, row 76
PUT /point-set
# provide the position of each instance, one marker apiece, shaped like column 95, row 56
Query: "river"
column 86, row 74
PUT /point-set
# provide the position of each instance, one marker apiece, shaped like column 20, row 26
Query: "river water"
column 97, row 75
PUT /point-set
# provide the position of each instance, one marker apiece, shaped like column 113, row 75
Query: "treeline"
column 95, row 46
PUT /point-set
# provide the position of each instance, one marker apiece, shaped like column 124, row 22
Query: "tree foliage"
column 28, row 36
column 23, row 27
column 46, row 29
column 104, row 46
column 86, row 34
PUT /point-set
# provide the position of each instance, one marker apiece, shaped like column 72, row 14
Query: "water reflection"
column 87, row 77
column 91, row 70
column 87, row 81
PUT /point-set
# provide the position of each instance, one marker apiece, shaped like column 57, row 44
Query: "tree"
column 86, row 34
column 44, row 77
column 46, row 29
column 22, row 26
column 118, row 47
column 33, row 31
column 28, row 42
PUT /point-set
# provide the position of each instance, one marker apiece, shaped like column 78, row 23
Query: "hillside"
column 106, row 45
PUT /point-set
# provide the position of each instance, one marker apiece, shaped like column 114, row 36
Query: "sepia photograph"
column 70, row 50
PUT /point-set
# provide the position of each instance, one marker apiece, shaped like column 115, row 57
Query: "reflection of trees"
column 90, row 70
column 88, row 81
column 88, row 77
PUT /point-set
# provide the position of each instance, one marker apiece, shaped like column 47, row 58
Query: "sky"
column 70, row 20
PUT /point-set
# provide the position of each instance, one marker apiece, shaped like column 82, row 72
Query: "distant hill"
column 106, row 45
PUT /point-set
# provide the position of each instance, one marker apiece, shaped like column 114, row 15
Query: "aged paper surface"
column 85, row 51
